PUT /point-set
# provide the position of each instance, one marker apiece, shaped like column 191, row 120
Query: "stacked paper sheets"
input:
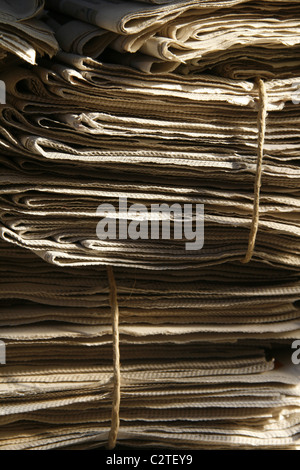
column 149, row 103
column 223, row 303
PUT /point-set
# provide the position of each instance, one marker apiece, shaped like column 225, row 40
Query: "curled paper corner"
column 2, row 353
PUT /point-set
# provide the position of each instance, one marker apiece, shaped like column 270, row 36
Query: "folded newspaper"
column 237, row 38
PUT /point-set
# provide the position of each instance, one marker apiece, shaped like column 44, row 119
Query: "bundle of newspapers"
column 194, row 373
column 129, row 140
column 148, row 149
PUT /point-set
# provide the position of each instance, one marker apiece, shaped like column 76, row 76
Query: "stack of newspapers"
column 129, row 139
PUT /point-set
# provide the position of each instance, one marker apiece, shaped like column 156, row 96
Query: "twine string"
column 261, row 124
column 116, row 398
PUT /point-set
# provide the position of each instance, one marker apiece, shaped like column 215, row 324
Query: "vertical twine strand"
column 115, row 417
column 261, row 123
